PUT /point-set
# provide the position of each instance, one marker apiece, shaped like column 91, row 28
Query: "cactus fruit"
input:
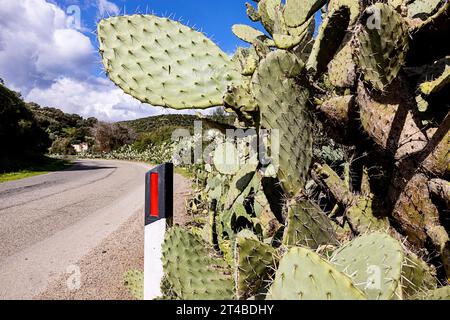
column 297, row 12
column 303, row 275
column 383, row 45
column 254, row 264
column 134, row 282
column 164, row 63
column 192, row 269
column 308, row 226
column 283, row 108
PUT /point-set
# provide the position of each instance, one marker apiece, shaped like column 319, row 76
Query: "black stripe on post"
column 159, row 194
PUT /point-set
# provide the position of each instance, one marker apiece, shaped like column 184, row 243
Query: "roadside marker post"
column 158, row 216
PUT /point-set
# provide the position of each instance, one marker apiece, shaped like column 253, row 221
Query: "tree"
column 20, row 133
column 219, row 115
column 111, row 136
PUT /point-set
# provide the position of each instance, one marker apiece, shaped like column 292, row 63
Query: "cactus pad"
column 308, row 225
column 422, row 9
column 255, row 262
column 383, row 45
column 193, row 270
column 252, row 13
column 442, row 293
column 303, row 275
column 341, row 70
column 164, row 63
column 433, row 86
column 283, row 107
column 246, row 33
column 331, row 33
column 417, row 276
column 374, row 262
column 134, row 282
column 297, row 12
column 353, row 5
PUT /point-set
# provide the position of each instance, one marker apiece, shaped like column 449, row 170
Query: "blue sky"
column 54, row 62
column 214, row 18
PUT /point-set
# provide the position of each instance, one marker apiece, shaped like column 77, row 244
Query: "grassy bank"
column 42, row 166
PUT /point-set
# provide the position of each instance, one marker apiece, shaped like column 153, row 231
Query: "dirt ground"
column 102, row 269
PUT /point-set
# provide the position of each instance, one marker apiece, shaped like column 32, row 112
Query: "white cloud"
column 94, row 98
column 36, row 46
column 51, row 64
column 106, row 7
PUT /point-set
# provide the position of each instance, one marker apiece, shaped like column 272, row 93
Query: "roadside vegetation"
column 40, row 166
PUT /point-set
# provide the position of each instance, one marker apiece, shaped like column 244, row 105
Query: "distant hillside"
column 158, row 129
column 151, row 124
column 59, row 124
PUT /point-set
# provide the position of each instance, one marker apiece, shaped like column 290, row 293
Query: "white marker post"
column 158, row 215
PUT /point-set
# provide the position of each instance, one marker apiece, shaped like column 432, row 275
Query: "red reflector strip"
column 154, row 209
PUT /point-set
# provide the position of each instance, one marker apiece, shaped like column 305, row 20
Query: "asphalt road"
column 49, row 222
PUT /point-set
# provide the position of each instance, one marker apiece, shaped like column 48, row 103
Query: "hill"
column 157, row 130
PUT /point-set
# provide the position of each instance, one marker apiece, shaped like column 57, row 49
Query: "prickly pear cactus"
column 246, row 33
column 255, row 262
column 297, row 12
column 134, row 282
column 307, row 225
column 442, row 293
column 304, row 275
column 374, row 262
column 377, row 73
column 164, row 63
column 417, row 276
column 383, row 45
column 422, row 9
column 193, row 270
column 283, row 110
column 331, row 33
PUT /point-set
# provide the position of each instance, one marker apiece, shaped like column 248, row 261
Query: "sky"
column 48, row 49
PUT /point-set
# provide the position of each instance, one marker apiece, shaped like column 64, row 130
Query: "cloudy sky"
column 50, row 56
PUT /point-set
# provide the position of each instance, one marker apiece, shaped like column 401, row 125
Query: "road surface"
column 49, row 222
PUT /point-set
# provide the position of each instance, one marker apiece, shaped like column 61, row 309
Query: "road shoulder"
column 102, row 269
